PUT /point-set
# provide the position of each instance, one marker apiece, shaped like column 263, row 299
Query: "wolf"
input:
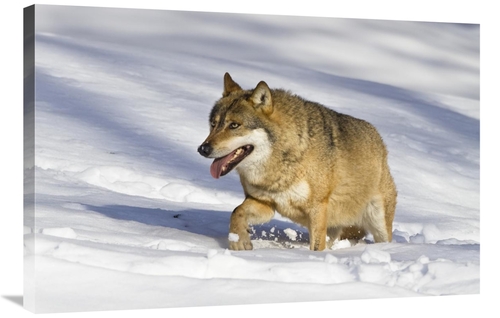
column 322, row 169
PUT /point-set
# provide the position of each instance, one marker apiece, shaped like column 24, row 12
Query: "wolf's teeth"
column 236, row 154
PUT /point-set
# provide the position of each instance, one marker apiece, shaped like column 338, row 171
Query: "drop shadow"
column 16, row 299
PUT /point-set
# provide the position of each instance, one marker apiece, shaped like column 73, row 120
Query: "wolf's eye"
column 212, row 123
column 233, row 125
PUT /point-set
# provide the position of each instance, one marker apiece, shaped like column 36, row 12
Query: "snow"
column 371, row 255
column 291, row 234
column 233, row 237
column 127, row 214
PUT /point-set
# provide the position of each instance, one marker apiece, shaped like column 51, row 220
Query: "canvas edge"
column 29, row 155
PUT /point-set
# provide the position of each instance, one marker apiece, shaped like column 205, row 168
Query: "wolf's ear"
column 261, row 98
column 229, row 85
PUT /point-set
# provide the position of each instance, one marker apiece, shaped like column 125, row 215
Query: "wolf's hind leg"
column 374, row 220
column 251, row 211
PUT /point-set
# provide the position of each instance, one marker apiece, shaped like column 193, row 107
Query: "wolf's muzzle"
column 205, row 149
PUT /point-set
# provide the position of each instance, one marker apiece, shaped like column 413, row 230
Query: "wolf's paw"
column 240, row 246
column 239, row 242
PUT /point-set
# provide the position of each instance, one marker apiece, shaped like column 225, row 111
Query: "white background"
column 441, row 11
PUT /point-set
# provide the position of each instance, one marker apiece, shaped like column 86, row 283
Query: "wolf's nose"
column 205, row 149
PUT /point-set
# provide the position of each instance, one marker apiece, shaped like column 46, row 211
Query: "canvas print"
column 178, row 159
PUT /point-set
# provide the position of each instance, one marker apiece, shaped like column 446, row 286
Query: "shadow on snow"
column 212, row 224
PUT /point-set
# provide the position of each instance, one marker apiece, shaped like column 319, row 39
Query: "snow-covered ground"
column 127, row 214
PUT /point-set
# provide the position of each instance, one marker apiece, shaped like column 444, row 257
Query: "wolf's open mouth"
column 222, row 166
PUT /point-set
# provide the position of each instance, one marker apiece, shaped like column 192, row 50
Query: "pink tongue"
column 216, row 167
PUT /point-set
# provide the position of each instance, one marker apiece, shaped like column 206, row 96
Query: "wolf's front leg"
column 251, row 211
column 317, row 227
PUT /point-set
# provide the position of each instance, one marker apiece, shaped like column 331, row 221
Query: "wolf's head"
column 239, row 131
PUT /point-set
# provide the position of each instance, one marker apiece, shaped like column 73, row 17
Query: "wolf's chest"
column 285, row 199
